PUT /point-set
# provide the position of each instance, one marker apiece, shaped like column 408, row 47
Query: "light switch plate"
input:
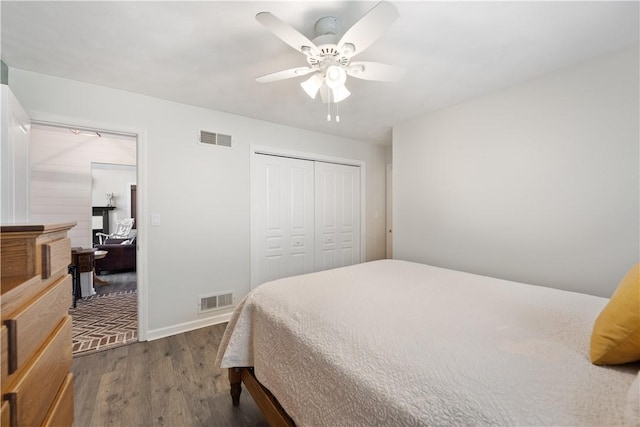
column 155, row 219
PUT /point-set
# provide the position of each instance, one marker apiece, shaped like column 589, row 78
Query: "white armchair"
column 123, row 230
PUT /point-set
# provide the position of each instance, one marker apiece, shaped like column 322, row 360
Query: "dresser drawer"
column 61, row 412
column 18, row 257
column 33, row 392
column 56, row 256
column 30, row 325
column 17, row 291
column 5, row 414
column 29, row 250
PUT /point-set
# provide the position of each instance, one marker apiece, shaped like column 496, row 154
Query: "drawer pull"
column 56, row 256
column 12, row 398
column 12, row 329
column 46, row 261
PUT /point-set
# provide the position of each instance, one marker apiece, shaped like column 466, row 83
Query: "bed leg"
column 235, row 381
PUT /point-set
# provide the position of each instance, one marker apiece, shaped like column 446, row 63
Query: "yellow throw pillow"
column 616, row 333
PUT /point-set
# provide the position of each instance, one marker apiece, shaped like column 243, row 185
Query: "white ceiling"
column 209, row 53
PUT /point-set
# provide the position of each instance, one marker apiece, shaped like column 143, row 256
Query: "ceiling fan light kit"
column 335, row 77
column 329, row 55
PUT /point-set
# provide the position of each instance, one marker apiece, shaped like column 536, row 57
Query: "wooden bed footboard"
column 275, row 415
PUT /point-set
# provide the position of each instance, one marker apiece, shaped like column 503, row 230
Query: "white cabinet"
column 14, row 134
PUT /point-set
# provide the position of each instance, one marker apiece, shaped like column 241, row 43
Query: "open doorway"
column 73, row 170
column 114, row 233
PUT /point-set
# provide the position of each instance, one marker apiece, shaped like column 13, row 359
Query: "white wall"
column 201, row 192
column 61, row 175
column 537, row 183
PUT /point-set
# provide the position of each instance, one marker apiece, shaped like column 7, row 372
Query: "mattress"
column 399, row 343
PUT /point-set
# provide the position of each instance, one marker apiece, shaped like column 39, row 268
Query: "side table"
column 84, row 260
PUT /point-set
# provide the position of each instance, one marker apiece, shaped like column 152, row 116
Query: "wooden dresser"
column 35, row 336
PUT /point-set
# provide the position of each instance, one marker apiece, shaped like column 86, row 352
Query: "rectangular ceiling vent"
column 214, row 138
column 215, row 301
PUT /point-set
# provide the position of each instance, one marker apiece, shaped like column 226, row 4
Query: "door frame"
column 389, row 212
column 282, row 152
column 142, row 203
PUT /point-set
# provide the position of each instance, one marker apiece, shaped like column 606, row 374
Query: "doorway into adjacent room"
column 90, row 177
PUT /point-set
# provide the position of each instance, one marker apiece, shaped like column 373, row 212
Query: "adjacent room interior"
column 90, row 176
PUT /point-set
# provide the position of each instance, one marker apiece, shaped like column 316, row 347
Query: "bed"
column 398, row 343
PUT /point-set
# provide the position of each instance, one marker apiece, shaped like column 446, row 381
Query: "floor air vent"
column 213, row 138
column 215, row 302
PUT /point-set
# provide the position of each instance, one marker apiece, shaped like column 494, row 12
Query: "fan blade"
column 285, row 74
column 375, row 71
column 287, row 33
column 369, row 28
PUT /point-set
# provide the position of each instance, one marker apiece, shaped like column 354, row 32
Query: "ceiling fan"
column 329, row 55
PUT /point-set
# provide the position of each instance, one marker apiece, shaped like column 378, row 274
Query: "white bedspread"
column 397, row 343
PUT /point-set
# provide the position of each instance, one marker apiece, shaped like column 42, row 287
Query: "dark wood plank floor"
column 167, row 382
column 117, row 282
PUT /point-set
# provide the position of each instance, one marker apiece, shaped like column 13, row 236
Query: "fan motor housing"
column 328, row 25
column 328, row 52
column 327, row 49
column 328, row 30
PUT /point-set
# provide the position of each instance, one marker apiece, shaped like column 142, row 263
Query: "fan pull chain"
column 329, row 109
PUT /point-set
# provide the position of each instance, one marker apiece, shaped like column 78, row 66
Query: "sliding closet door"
column 282, row 218
column 337, row 207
